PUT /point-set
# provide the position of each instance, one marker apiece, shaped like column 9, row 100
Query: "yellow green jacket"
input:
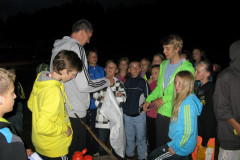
column 49, row 117
column 167, row 94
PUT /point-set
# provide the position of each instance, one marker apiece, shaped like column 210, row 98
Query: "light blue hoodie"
column 183, row 132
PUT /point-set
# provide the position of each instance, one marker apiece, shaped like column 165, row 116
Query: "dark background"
column 132, row 30
column 120, row 29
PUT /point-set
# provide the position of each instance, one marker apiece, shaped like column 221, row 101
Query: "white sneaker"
column 96, row 154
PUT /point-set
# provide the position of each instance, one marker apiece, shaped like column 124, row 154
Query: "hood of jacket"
column 194, row 100
column 4, row 123
column 64, row 40
column 235, row 55
column 43, row 80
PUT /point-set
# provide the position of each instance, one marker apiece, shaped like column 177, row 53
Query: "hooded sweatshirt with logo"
column 50, row 120
column 226, row 100
column 183, row 131
column 78, row 89
column 167, row 93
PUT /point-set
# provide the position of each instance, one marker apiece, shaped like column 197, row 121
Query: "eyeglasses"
column 74, row 74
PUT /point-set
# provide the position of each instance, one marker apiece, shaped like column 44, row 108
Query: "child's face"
column 184, row 56
column 178, row 84
column 68, row 75
column 92, row 58
column 196, row 54
column 201, row 73
column 7, row 100
column 134, row 69
column 170, row 51
column 111, row 69
column 123, row 66
column 155, row 73
column 144, row 65
column 156, row 60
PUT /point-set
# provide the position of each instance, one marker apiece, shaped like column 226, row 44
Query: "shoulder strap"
column 7, row 133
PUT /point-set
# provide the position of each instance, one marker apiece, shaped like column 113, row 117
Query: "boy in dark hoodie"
column 11, row 146
column 137, row 89
column 226, row 106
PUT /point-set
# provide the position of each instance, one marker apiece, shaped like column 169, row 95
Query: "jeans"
column 103, row 135
column 136, row 127
column 228, row 154
column 162, row 153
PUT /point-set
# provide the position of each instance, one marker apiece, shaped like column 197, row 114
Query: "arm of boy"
column 30, row 102
column 155, row 94
column 69, row 131
column 235, row 125
column 121, row 93
column 171, row 150
column 98, row 98
column 158, row 103
column 145, row 106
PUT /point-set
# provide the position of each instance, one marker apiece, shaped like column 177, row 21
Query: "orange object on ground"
column 79, row 155
column 202, row 153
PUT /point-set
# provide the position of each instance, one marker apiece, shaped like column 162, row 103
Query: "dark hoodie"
column 227, row 100
column 11, row 146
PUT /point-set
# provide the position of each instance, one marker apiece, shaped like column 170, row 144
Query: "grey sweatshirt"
column 78, row 90
column 227, row 100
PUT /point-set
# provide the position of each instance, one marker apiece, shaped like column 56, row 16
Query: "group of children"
column 159, row 109
column 176, row 84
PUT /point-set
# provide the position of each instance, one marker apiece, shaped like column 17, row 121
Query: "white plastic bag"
column 111, row 111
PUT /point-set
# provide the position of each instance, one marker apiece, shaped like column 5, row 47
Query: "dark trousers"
column 92, row 144
column 162, row 153
column 103, row 135
column 151, row 133
column 162, row 127
column 79, row 136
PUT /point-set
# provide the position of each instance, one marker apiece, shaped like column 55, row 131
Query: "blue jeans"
column 103, row 135
column 136, row 127
column 162, row 153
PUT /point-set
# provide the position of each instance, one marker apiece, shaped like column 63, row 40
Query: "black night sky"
column 121, row 28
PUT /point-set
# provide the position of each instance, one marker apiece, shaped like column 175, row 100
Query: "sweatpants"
column 162, row 127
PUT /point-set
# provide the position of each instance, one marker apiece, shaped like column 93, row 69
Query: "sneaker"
column 128, row 158
column 96, row 154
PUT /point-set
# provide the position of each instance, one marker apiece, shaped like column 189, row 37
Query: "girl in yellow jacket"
column 51, row 127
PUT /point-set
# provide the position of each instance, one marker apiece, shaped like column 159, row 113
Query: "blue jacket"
column 183, row 132
column 137, row 89
column 95, row 72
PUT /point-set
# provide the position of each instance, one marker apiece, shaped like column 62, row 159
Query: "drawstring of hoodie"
column 64, row 94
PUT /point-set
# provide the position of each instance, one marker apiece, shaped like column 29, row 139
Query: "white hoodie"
column 78, row 90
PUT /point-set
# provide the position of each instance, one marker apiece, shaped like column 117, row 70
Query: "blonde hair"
column 187, row 88
column 173, row 39
column 6, row 78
